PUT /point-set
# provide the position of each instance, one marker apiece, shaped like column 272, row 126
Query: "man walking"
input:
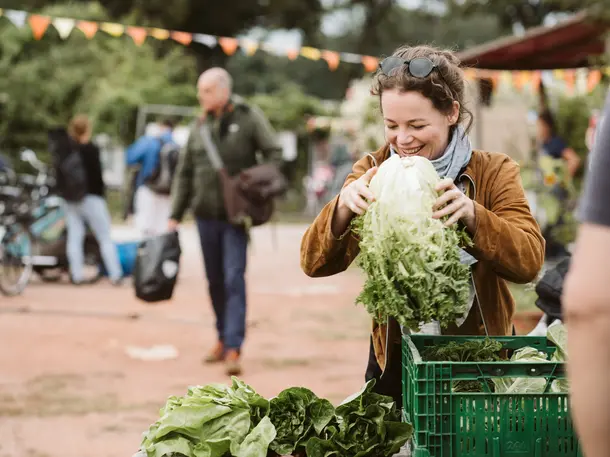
column 239, row 131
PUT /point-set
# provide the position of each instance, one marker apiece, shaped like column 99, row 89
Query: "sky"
column 333, row 24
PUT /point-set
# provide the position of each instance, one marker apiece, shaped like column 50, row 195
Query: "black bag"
column 550, row 288
column 69, row 165
column 156, row 267
column 161, row 179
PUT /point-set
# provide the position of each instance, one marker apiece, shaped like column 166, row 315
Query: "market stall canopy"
column 573, row 43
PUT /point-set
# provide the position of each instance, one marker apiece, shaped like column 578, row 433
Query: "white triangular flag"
column 17, row 17
column 64, row 26
column 207, row 40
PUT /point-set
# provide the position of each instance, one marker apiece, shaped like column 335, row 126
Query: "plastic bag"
column 156, row 267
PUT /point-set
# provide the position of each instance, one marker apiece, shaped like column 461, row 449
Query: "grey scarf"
column 456, row 156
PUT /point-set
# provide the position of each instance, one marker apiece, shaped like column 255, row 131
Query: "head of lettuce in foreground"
column 421, row 90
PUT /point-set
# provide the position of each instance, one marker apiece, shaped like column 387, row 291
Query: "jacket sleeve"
column 183, row 183
column 96, row 169
column 265, row 138
column 507, row 235
column 323, row 254
column 137, row 151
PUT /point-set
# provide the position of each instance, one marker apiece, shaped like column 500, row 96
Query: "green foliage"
column 108, row 78
column 288, row 107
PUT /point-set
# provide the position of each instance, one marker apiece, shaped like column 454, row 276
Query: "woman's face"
column 543, row 132
column 413, row 126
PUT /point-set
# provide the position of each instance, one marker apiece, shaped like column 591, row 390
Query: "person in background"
column 586, row 302
column 240, row 132
column 553, row 145
column 152, row 209
column 558, row 164
column 91, row 210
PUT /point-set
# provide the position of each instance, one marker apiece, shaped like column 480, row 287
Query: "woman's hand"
column 455, row 204
column 356, row 196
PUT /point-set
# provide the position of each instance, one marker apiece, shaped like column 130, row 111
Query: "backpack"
column 69, row 166
column 161, row 179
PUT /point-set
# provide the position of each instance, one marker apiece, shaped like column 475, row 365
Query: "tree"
column 528, row 13
column 46, row 82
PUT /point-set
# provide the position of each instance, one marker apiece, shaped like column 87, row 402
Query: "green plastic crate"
column 486, row 424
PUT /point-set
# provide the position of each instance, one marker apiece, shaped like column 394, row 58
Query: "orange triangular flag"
column 292, row 54
column 228, row 45
column 536, row 79
column 332, row 58
column 593, row 79
column 570, row 78
column 370, row 63
column 88, row 28
column 39, row 25
column 138, row 34
column 183, row 38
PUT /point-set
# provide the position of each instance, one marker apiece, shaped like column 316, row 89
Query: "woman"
column 421, row 93
column 91, row 210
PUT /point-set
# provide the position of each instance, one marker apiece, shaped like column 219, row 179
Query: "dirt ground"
column 69, row 388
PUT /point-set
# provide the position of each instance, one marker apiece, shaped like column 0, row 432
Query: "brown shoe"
column 216, row 355
column 232, row 365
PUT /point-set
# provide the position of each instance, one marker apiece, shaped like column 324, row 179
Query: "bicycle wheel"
column 15, row 259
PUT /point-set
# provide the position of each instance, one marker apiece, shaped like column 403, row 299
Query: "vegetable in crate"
column 212, row 421
column 411, row 261
column 298, row 415
column 367, row 425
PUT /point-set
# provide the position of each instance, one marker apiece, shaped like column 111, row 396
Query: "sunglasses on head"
column 420, row 67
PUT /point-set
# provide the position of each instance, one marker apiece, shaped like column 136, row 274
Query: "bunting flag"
column 183, row 38
column 18, row 18
column 593, row 79
column 207, row 40
column 39, row 25
column 116, row 30
column 581, row 79
column 138, row 34
column 64, row 26
column 248, row 46
column 311, row 53
column 332, row 59
column 228, row 45
column 160, row 34
column 292, row 54
column 88, row 28
column 370, row 63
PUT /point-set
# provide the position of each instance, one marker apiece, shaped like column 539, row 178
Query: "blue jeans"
column 93, row 211
column 224, row 249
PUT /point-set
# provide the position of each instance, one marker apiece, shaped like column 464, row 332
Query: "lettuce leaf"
column 211, row 421
column 298, row 415
column 367, row 425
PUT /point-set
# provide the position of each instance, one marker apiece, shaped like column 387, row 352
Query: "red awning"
column 574, row 43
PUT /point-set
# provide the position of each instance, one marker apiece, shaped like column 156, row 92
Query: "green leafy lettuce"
column 366, row 425
column 298, row 415
column 410, row 260
column 212, row 421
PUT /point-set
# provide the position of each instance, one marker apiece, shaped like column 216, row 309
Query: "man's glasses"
column 420, row 67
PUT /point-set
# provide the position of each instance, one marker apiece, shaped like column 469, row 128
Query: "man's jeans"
column 224, row 249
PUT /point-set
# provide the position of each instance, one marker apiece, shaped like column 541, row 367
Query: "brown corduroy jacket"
column 507, row 244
